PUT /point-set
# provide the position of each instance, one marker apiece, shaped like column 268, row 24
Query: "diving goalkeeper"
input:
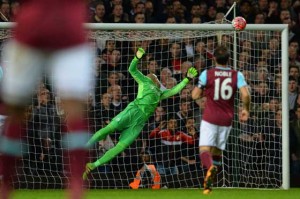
column 132, row 119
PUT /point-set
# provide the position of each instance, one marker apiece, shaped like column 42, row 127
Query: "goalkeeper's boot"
column 88, row 168
column 208, row 181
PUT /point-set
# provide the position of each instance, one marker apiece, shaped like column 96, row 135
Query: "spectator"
column 152, row 67
column 296, row 126
column 165, row 74
column 273, row 13
column 119, row 101
column 261, row 94
column 221, row 6
column 188, row 47
column 203, row 12
column 276, row 91
column 273, row 57
column 167, row 146
column 46, row 123
column 117, row 15
column 293, row 93
column 294, row 72
column 194, row 12
column 200, row 63
column 139, row 7
column 184, row 111
column 114, row 64
column 246, row 11
column 200, row 50
column 139, row 18
column 263, row 6
column 272, row 134
column 211, row 13
column 175, row 57
column 4, row 11
column 171, row 82
column 196, row 20
column 269, row 109
column 109, row 6
column 151, row 15
column 260, row 18
column 157, row 119
column 251, row 146
column 171, row 19
column 189, row 151
column 14, row 9
column 104, row 111
column 99, row 14
column 183, row 70
column 293, row 57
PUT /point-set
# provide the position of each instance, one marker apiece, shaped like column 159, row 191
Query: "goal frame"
column 283, row 28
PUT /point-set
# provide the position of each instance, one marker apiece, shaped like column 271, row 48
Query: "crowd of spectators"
column 171, row 135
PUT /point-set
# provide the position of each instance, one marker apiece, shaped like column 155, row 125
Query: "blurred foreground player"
column 219, row 84
column 48, row 38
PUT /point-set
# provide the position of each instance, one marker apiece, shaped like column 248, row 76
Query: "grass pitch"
column 164, row 194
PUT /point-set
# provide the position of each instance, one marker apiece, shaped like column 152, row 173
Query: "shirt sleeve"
column 241, row 82
column 135, row 73
column 176, row 89
column 202, row 79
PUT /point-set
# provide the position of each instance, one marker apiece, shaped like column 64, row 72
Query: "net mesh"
column 253, row 154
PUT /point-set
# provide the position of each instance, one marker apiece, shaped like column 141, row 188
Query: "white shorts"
column 213, row 135
column 70, row 70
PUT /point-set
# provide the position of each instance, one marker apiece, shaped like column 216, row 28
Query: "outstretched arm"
column 176, row 89
column 192, row 73
column 133, row 70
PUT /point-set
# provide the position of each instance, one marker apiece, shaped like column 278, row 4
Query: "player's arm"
column 197, row 92
column 133, row 70
column 245, row 96
column 192, row 73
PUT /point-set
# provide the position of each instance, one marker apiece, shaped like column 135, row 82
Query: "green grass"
column 164, row 194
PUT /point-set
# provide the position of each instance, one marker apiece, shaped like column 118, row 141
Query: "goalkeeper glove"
column 191, row 73
column 139, row 53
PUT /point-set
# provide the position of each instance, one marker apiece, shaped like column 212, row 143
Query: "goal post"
column 227, row 27
column 235, row 172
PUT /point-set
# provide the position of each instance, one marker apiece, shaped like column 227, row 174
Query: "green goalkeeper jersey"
column 149, row 95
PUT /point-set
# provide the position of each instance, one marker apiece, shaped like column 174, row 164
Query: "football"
column 239, row 23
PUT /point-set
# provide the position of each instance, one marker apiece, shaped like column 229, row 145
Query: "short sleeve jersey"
column 220, row 85
column 51, row 24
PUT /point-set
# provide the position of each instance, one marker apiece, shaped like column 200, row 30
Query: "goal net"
column 253, row 155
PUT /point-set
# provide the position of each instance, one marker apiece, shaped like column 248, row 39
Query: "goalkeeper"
column 132, row 119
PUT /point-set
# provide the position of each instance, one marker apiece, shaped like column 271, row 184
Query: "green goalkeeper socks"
column 109, row 155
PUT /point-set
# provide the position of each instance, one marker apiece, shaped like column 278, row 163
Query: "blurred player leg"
column 72, row 75
column 23, row 72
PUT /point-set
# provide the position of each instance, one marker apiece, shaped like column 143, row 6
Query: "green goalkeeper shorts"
column 130, row 123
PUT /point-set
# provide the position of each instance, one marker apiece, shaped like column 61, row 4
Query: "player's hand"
column 244, row 115
column 192, row 73
column 139, row 53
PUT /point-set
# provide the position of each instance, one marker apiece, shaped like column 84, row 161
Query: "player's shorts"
column 213, row 135
column 70, row 70
column 130, row 123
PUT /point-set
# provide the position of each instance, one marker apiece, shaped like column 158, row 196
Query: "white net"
column 253, row 154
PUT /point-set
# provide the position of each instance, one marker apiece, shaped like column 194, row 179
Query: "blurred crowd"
column 171, row 135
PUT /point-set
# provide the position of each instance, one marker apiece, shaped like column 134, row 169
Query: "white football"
column 239, row 23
